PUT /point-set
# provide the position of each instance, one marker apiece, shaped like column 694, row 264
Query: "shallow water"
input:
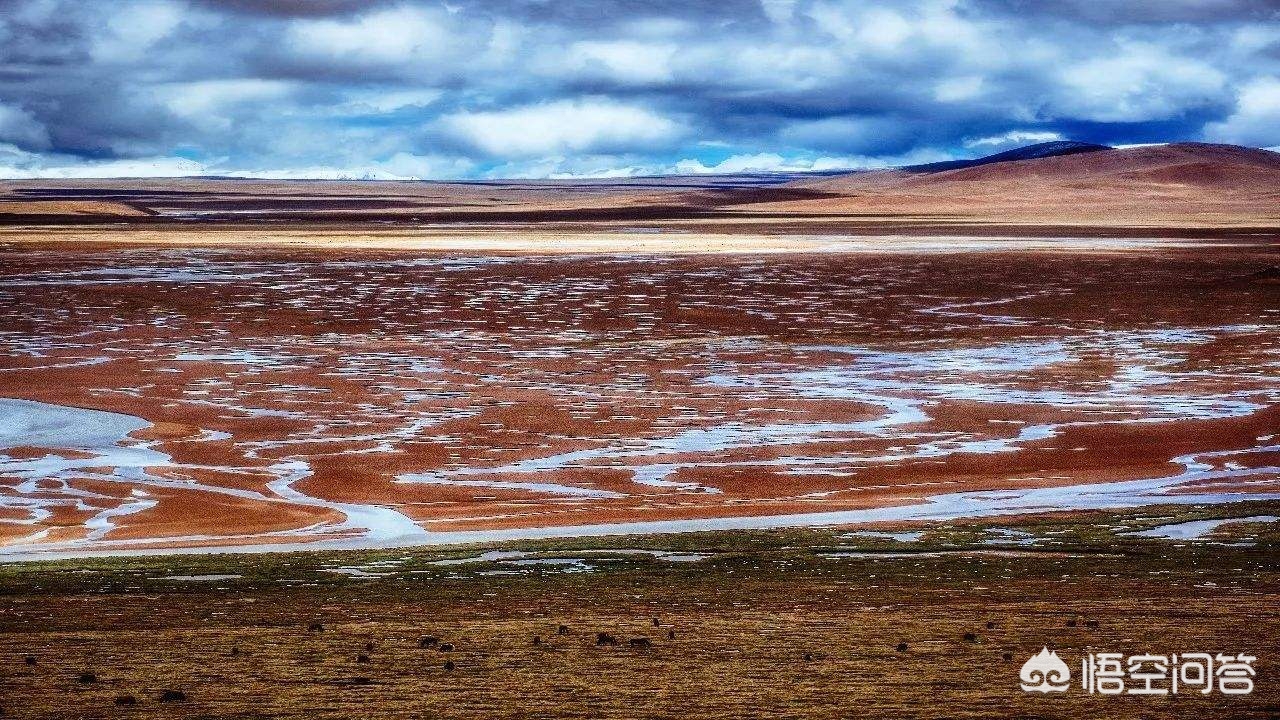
column 1197, row 529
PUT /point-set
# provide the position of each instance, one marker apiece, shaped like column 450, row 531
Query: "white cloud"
column 41, row 167
column 774, row 162
column 16, row 163
column 132, row 28
column 627, row 61
column 563, row 126
column 390, row 36
column 1015, row 138
column 383, row 100
column 207, row 103
column 21, row 127
column 424, row 167
column 1143, row 82
column 883, row 30
column 1256, row 120
column 768, row 162
column 958, row 89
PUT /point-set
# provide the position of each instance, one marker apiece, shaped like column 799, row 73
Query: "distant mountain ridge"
column 1054, row 148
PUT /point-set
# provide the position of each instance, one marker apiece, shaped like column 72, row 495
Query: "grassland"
column 796, row 623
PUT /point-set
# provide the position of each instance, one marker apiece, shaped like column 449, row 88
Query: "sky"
column 476, row 89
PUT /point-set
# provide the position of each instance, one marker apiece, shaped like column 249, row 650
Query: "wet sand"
column 275, row 388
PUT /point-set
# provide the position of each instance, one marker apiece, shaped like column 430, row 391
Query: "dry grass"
column 743, row 622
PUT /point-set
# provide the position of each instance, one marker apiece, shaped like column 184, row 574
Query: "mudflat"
column 250, row 396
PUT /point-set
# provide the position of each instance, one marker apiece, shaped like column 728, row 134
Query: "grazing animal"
column 126, row 700
column 362, row 659
column 991, row 624
column 562, row 630
column 902, row 647
column 1007, row 657
column 640, row 642
column 1091, row 623
column 808, row 657
column 173, row 696
column 671, row 634
column 315, row 627
column 1071, row 623
column 88, row 677
column 235, row 651
column 656, row 623
column 448, row 665
column 606, row 639
column 30, row 659
column 446, row 647
column 369, row 646
column 427, row 641
column 537, row 640
column 361, row 681
column 970, row 637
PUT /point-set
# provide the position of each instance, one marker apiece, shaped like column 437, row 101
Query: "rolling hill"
column 1180, row 183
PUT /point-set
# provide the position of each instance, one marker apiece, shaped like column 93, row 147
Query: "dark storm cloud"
column 538, row 87
column 1136, row 11
column 290, row 8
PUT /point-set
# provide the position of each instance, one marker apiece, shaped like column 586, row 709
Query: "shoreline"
column 936, row 509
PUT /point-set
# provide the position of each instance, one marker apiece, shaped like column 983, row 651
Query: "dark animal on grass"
column 640, row 642
column 315, row 627
column 173, row 696
column 606, row 639
column 448, row 665
column 446, row 647
column 562, row 630
column 362, row 659
column 126, row 700
column 970, row 637
column 902, row 647
column 88, row 677
column 427, row 641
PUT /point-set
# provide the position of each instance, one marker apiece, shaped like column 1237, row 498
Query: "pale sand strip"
column 610, row 241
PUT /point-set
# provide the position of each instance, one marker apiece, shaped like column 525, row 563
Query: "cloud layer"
column 488, row 88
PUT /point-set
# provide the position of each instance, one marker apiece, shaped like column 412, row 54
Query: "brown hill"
column 1184, row 183
column 57, row 208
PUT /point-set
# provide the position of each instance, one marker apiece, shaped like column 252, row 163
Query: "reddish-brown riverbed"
column 284, row 396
